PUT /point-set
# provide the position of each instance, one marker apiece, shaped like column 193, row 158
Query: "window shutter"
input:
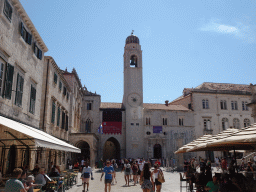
column 17, row 90
column 63, row 120
column 29, row 38
column 39, row 54
column 35, row 48
column 21, row 29
column 8, row 81
column 66, row 123
column 21, row 89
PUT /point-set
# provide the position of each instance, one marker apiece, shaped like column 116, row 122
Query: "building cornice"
column 29, row 24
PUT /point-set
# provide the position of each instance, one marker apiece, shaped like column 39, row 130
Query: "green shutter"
column 32, row 100
column 29, row 40
column 8, row 81
column 53, row 112
column 66, row 128
column 58, row 117
column 19, row 90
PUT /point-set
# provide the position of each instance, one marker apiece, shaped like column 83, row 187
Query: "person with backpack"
column 127, row 170
column 85, row 175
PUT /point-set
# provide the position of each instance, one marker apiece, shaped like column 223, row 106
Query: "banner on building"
column 112, row 127
column 157, row 129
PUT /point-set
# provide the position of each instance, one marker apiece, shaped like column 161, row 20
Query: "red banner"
column 112, row 127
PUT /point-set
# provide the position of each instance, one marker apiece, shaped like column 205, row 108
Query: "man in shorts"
column 109, row 171
column 87, row 170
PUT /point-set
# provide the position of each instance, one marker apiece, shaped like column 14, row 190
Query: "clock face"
column 134, row 100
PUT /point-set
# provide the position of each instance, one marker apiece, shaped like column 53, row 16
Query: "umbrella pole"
column 235, row 160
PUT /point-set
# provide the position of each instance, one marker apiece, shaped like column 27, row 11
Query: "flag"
column 100, row 129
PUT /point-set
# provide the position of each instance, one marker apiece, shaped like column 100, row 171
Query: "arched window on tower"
column 133, row 61
column 88, row 124
column 246, row 122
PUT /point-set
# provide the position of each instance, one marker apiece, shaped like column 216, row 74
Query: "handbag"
column 161, row 177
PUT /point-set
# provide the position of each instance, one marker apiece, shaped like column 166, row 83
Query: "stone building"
column 216, row 107
column 132, row 128
column 21, row 80
column 55, row 108
column 84, row 118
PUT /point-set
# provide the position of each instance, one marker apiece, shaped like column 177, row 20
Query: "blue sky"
column 184, row 43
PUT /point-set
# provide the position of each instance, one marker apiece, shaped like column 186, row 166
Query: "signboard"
column 157, row 129
column 111, row 127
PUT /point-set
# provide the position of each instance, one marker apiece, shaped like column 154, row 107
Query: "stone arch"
column 85, row 151
column 133, row 60
column 111, row 149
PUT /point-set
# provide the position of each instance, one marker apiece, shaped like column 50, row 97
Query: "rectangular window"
column 58, row 116
column 8, row 10
column 244, row 106
column 132, row 123
column 223, row 104
column 146, row 121
column 207, row 124
column 53, row 111
column 205, row 104
column 234, row 105
column 38, row 52
column 55, row 78
column 8, row 81
column 164, row 121
column 180, row 121
column 67, row 95
column 25, row 34
column 137, row 124
column 60, row 86
column 64, row 91
column 32, row 100
column 63, row 120
column 19, row 90
column 89, row 106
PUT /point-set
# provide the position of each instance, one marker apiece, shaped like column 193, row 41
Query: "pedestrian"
column 87, row 170
column 109, row 171
column 224, row 165
column 146, row 178
column 135, row 172
column 202, row 165
column 156, row 172
column 140, row 164
column 127, row 170
column 115, row 166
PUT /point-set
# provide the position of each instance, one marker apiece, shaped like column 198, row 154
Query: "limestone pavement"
column 172, row 183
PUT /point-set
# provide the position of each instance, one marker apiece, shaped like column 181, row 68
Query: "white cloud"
column 239, row 31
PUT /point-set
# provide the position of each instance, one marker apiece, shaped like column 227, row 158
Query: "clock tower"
column 133, row 97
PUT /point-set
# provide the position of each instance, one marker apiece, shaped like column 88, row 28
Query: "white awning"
column 42, row 139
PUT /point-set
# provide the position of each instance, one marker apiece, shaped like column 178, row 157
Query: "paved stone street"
column 172, row 183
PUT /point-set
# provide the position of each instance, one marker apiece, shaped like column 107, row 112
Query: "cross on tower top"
column 132, row 32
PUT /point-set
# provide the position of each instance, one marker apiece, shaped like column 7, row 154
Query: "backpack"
column 115, row 166
column 128, row 168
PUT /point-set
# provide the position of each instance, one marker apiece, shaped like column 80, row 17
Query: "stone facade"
column 21, row 68
column 217, row 106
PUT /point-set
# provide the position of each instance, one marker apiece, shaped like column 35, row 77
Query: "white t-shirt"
column 141, row 164
column 127, row 166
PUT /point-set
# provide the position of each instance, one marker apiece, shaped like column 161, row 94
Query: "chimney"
column 167, row 103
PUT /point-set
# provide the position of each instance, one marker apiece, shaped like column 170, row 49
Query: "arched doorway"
column 157, row 151
column 111, row 149
column 11, row 158
column 85, row 152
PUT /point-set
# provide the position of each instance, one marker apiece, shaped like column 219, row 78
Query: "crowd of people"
column 226, row 180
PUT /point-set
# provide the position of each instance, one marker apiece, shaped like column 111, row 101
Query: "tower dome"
column 132, row 39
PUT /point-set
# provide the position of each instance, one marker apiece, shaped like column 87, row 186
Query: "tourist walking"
column 146, row 178
column 109, row 171
column 135, row 172
column 115, row 166
column 87, row 170
column 127, row 170
column 156, row 172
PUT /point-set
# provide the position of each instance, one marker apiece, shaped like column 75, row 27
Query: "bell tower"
column 133, row 97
